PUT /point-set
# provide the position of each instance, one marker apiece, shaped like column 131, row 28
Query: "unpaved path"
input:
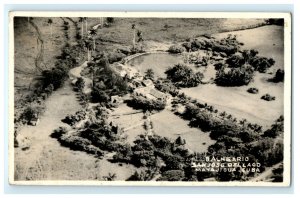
column 46, row 159
column 76, row 73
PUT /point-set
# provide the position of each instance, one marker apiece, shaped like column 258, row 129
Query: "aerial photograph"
column 151, row 99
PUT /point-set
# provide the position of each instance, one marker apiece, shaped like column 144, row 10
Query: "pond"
column 159, row 62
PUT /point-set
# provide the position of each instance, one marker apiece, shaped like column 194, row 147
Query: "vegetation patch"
column 176, row 49
column 252, row 90
column 268, row 97
column 106, row 81
column 234, row 76
column 279, row 76
column 183, row 76
column 140, row 102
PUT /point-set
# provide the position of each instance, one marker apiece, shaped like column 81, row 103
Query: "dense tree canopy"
column 183, row 76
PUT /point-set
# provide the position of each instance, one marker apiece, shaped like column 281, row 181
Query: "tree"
column 180, row 141
column 110, row 19
column 149, row 74
column 93, row 34
column 50, row 23
column 86, row 24
column 133, row 39
column 139, row 35
column 88, row 44
column 81, row 20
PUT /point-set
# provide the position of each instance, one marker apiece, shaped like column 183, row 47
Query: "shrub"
column 73, row 119
column 80, row 83
column 176, row 49
column 31, row 113
column 268, row 97
column 252, row 90
column 279, row 76
column 59, row 132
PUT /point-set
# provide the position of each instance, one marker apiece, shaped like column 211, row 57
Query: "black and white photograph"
column 150, row 98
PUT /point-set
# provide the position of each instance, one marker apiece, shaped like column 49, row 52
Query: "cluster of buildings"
column 140, row 86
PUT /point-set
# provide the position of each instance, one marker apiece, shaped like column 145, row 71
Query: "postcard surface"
column 153, row 99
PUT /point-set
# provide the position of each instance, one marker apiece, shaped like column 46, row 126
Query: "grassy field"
column 168, row 125
column 176, row 29
column 236, row 100
column 130, row 120
column 165, row 124
column 27, row 47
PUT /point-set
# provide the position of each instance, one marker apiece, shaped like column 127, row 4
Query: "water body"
column 159, row 62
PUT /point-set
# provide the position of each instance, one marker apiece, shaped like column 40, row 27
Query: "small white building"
column 153, row 94
column 124, row 70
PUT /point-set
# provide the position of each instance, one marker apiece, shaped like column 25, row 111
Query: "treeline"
column 228, row 45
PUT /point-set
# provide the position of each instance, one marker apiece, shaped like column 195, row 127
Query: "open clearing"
column 168, row 125
column 130, row 120
column 165, row 124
